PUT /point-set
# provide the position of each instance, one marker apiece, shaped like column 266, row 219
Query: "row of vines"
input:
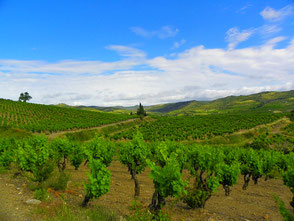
column 209, row 167
column 42, row 118
column 197, row 127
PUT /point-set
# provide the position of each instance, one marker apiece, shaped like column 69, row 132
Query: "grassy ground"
column 8, row 132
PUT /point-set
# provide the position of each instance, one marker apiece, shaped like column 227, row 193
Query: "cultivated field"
column 214, row 167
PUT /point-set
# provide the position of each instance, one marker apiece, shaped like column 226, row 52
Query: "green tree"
column 141, row 111
column 24, row 97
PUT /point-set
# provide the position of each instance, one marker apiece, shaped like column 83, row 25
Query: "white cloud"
column 273, row 15
column 178, row 44
column 244, row 8
column 272, row 42
column 197, row 73
column 269, row 29
column 162, row 33
column 127, row 51
column 133, row 57
column 234, row 36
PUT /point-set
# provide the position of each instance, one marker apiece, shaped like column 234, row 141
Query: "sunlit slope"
column 38, row 118
column 261, row 102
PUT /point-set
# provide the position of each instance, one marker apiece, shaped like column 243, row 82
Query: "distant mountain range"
column 261, row 102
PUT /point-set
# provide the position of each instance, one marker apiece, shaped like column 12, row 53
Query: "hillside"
column 261, row 102
column 41, row 118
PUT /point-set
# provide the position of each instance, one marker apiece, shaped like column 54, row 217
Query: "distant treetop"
column 141, row 111
column 24, row 97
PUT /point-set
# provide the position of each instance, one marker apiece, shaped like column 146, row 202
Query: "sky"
column 122, row 52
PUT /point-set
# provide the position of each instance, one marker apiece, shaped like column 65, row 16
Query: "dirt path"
column 54, row 135
column 276, row 126
column 13, row 195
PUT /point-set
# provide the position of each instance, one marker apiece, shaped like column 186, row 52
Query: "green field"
column 42, row 118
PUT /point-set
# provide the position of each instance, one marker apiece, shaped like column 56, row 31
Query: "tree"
column 24, row 97
column 141, row 111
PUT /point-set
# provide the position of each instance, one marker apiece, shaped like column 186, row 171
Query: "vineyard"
column 148, row 169
column 211, row 169
column 197, row 127
column 42, row 118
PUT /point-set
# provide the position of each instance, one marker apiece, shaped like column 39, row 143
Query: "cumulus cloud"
column 162, row 33
column 234, row 36
column 197, row 73
column 273, row 15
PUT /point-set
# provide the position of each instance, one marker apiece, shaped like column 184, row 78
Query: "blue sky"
column 123, row 52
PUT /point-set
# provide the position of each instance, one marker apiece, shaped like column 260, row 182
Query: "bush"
column 283, row 211
column 41, row 194
column 98, row 181
column 167, row 181
column 34, row 156
column 139, row 212
column 59, row 181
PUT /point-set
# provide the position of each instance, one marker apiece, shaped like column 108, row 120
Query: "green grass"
column 66, row 212
column 8, row 132
column 87, row 135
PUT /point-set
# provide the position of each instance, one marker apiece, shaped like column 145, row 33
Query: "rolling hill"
column 261, row 102
column 43, row 118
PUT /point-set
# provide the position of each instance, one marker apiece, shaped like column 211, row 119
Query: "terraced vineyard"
column 197, row 127
column 41, row 118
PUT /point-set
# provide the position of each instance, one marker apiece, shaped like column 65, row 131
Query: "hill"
column 261, row 102
column 41, row 118
column 115, row 109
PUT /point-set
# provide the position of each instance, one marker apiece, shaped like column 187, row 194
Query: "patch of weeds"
column 140, row 213
column 41, row 194
column 67, row 213
column 100, row 213
column 274, row 174
column 58, row 181
column 249, row 134
column 33, row 186
column 3, row 170
column 286, row 214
